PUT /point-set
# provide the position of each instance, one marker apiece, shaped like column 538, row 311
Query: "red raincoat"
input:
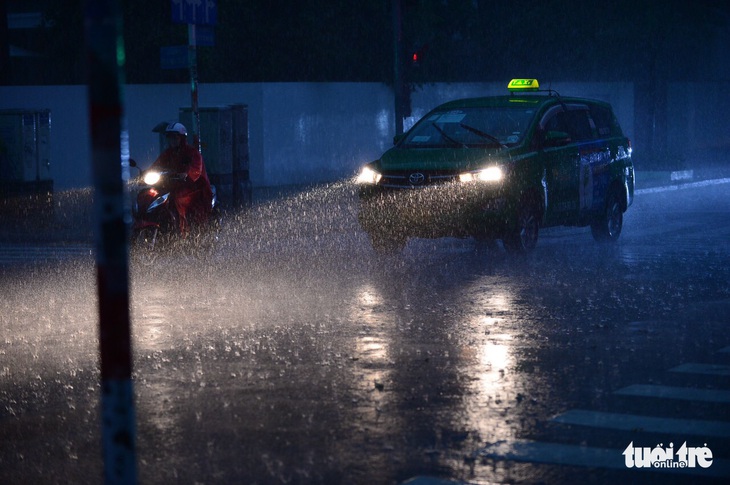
column 193, row 198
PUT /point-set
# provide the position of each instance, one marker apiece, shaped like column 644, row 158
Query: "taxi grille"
column 416, row 179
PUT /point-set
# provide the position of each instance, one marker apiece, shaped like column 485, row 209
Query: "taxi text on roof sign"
column 523, row 85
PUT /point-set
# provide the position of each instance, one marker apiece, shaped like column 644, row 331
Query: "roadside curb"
column 666, row 188
column 653, row 182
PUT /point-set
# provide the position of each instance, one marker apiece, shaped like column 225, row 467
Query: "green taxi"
column 501, row 167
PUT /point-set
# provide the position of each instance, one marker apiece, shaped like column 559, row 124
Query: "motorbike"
column 154, row 217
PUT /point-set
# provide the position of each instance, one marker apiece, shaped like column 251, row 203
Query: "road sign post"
column 194, row 13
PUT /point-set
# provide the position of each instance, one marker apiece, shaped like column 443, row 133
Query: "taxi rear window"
column 604, row 120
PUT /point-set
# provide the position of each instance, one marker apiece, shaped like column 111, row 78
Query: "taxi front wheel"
column 607, row 227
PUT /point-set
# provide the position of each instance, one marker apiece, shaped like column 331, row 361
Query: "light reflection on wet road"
column 294, row 355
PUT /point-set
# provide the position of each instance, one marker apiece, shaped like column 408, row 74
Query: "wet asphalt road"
column 290, row 353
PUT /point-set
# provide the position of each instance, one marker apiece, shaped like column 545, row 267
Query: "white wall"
column 299, row 132
column 699, row 125
column 320, row 132
column 148, row 105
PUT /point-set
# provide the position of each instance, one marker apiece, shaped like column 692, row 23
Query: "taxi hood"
column 446, row 159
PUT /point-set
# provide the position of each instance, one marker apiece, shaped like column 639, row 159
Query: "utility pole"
column 398, row 86
column 109, row 155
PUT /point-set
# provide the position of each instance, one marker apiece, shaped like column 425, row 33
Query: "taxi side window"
column 574, row 122
column 578, row 124
column 556, row 123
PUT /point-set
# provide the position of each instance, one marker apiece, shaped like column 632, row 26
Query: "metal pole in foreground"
column 109, row 151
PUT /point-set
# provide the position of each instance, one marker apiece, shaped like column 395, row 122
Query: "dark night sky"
column 349, row 40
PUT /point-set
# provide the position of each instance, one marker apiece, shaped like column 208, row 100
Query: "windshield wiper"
column 482, row 134
column 443, row 133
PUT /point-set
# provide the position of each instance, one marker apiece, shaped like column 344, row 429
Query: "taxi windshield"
column 471, row 127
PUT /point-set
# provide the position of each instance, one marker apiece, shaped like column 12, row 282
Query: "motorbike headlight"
column 489, row 174
column 368, row 176
column 151, row 178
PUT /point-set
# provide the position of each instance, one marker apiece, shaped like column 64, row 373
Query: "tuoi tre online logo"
column 659, row 457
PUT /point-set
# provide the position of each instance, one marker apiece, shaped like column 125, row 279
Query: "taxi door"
column 563, row 129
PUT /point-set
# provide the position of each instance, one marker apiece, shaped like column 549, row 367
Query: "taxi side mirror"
column 556, row 139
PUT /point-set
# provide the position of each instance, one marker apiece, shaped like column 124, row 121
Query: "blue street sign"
column 199, row 12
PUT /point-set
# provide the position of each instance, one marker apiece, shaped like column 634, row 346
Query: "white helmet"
column 177, row 128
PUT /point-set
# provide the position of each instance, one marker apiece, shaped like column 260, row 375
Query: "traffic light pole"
column 398, row 86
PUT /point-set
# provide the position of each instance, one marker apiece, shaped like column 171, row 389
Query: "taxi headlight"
column 151, row 178
column 368, row 176
column 489, row 174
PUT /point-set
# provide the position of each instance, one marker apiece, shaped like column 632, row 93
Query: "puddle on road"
column 292, row 331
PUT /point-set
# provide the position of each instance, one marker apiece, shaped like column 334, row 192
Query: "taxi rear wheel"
column 523, row 236
column 607, row 228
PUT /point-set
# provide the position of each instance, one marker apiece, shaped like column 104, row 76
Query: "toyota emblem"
column 416, row 178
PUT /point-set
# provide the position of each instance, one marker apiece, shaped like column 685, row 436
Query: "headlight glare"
column 151, row 178
column 368, row 176
column 489, row 174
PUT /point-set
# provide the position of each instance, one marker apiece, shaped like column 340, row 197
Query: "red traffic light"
column 418, row 53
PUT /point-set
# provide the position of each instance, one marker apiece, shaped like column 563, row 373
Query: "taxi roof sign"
column 523, row 85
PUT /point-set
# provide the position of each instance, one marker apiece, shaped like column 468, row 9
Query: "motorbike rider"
column 193, row 197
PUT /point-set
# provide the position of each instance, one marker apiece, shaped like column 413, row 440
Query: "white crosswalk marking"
column 706, row 369
column 632, row 422
column 539, row 452
column 24, row 254
column 584, row 456
column 679, row 393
